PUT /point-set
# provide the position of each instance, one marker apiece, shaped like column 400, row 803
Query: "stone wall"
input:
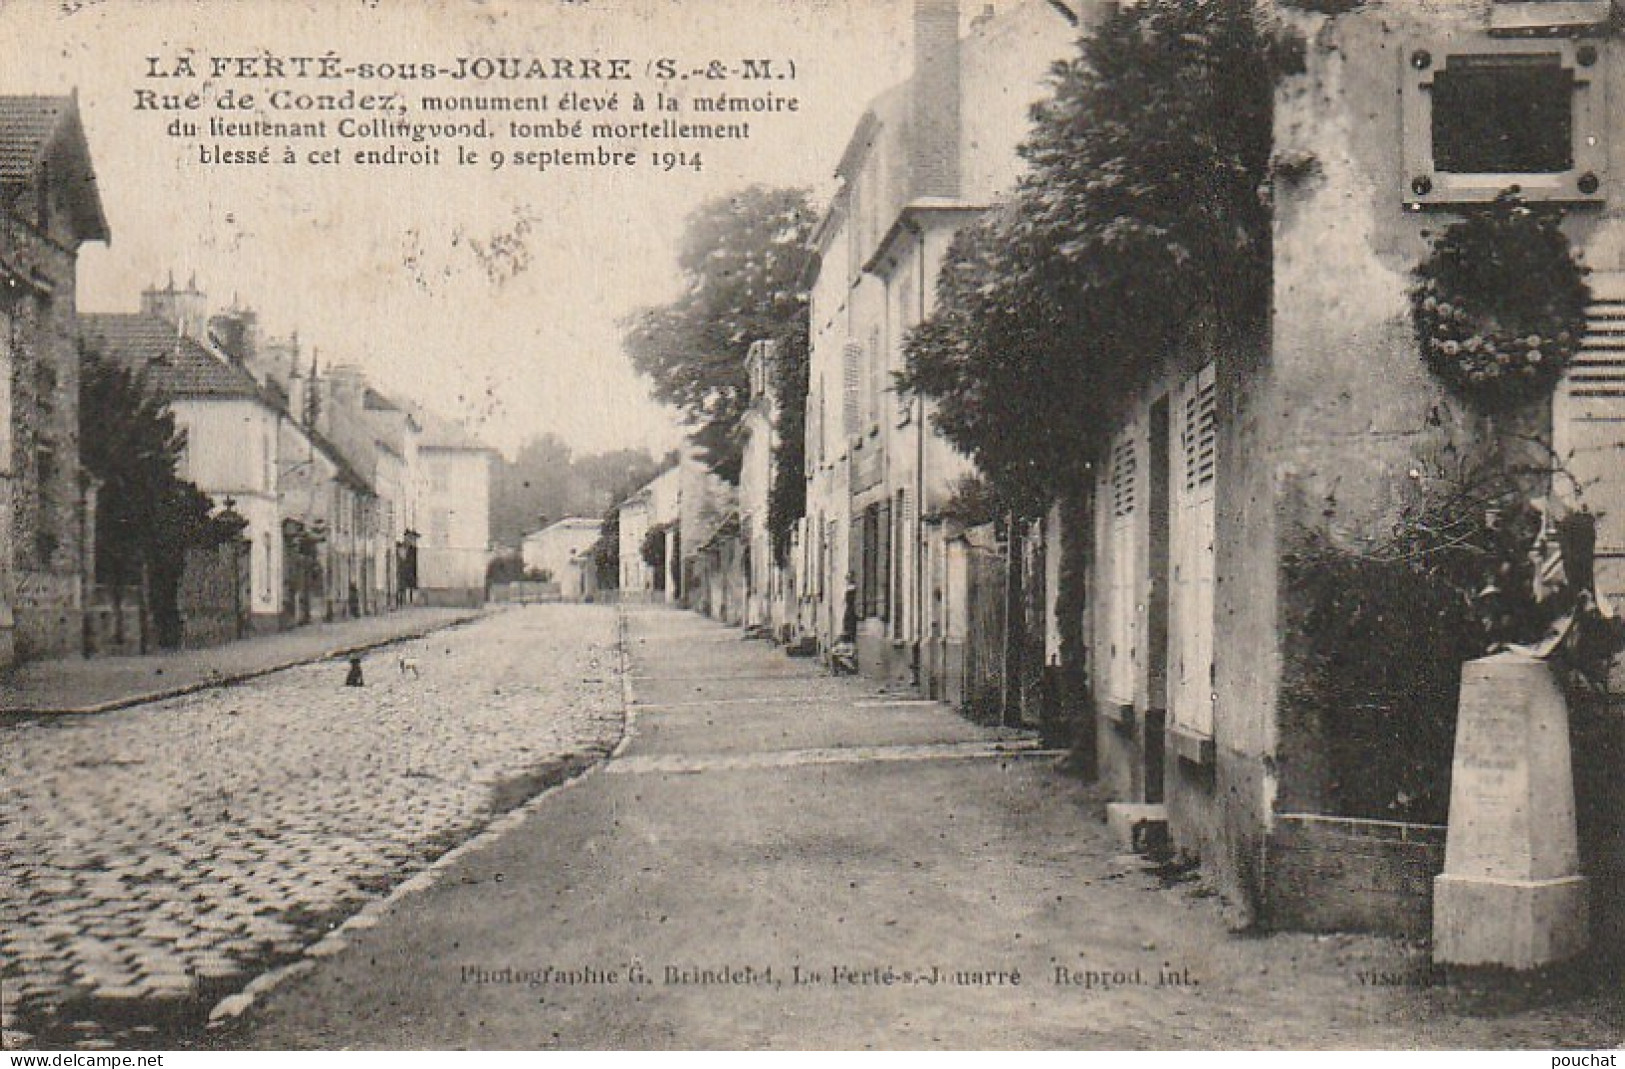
column 1335, row 874
column 43, row 565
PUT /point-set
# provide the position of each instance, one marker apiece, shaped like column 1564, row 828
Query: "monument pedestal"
column 1511, row 893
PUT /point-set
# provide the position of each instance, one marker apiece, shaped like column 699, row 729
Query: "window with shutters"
column 883, row 559
column 1588, row 426
column 903, row 319
column 902, row 565
column 851, row 355
column 862, row 550
column 877, row 381
column 814, row 443
column 1123, row 491
column 1191, row 571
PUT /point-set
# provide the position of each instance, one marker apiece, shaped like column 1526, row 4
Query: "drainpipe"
column 1015, row 548
column 918, row 618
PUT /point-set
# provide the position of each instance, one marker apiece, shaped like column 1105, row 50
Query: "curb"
column 629, row 709
column 226, row 680
column 338, row 940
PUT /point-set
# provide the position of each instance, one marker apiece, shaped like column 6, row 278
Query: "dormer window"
column 1503, row 113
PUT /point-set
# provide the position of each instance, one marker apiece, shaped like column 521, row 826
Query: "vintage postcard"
column 953, row 524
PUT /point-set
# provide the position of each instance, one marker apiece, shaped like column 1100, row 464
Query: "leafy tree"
column 544, row 482
column 537, row 483
column 1139, row 225
column 653, row 552
column 607, row 478
column 606, row 552
column 787, row 496
column 741, row 260
column 147, row 516
column 506, row 567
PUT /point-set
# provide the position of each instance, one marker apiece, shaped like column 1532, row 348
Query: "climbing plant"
column 1381, row 626
column 1499, row 303
column 787, row 495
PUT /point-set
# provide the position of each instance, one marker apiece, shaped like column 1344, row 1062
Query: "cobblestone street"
column 155, row 858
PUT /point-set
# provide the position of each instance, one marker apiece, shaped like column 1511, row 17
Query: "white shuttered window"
column 1123, row 495
column 1191, row 570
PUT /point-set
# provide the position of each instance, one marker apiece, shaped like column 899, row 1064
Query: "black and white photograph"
column 969, row 525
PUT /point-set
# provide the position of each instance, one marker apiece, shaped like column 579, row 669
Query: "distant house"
column 456, row 543
column 563, row 550
column 233, row 429
column 49, row 206
column 928, row 155
column 655, row 505
column 355, row 555
column 362, row 447
column 399, row 486
column 329, row 515
column 767, row 585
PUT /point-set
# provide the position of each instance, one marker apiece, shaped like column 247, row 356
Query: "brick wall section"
column 44, row 547
column 1330, row 874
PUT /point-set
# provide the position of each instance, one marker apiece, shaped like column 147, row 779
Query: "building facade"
column 1225, row 459
column 49, row 206
column 926, row 157
column 657, row 505
column 455, row 543
column 234, row 431
column 563, row 551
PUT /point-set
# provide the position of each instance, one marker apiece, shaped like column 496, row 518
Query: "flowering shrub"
column 1499, row 304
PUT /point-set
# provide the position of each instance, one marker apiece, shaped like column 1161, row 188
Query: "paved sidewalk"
column 98, row 684
column 778, row 859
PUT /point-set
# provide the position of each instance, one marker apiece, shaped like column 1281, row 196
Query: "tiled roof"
column 346, row 465
column 26, row 125
column 441, row 433
column 31, row 127
column 175, row 366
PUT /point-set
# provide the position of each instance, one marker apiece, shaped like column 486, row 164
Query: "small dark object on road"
column 409, row 665
column 353, row 678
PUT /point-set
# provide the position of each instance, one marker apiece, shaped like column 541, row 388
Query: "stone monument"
column 1511, row 893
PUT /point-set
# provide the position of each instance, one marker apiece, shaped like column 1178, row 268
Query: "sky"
column 391, row 270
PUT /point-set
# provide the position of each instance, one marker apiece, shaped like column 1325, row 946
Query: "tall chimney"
column 186, row 309
column 933, row 152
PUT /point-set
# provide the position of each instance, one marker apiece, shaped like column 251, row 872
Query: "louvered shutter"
column 1123, row 490
column 903, row 605
column 858, row 557
column 851, row 356
column 1588, row 426
column 883, row 562
column 1190, row 632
